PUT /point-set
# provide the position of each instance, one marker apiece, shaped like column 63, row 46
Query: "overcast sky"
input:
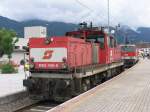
column 128, row 12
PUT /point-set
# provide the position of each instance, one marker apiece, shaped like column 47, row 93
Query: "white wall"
column 17, row 57
column 18, row 53
column 35, row 31
column 22, row 42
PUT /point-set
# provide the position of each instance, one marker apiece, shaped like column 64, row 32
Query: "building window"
column 17, row 47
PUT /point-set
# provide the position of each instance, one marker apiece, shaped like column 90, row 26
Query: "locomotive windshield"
column 97, row 39
column 128, row 48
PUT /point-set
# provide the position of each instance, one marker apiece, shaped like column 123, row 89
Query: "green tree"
column 7, row 42
column 1, row 48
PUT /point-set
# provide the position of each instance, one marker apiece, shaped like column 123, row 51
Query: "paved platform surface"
column 11, row 83
column 128, row 92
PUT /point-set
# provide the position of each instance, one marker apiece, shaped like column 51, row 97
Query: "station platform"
column 127, row 92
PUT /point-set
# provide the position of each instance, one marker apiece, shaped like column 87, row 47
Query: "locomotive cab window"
column 112, row 42
column 101, row 41
column 115, row 42
column 128, row 48
column 96, row 39
column 108, row 41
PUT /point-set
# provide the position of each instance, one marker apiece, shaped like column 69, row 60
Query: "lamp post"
column 116, row 30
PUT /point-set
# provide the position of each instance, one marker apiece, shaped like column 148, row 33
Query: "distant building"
column 35, row 31
column 18, row 53
column 144, row 47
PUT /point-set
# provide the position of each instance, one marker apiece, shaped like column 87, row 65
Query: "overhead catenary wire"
column 83, row 5
column 91, row 10
column 106, row 10
column 102, row 16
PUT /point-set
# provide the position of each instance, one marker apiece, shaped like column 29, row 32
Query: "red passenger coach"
column 65, row 66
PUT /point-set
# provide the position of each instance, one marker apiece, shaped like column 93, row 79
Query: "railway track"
column 15, row 101
column 42, row 106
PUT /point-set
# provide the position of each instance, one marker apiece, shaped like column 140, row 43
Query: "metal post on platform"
column 24, row 65
column 108, row 6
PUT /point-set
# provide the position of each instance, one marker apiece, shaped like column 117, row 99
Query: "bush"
column 7, row 68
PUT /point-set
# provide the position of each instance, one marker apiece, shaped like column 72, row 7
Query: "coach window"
column 17, row 47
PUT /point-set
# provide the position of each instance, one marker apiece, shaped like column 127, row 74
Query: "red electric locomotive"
column 129, row 54
column 65, row 66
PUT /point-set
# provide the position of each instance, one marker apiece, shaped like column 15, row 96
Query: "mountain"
column 59, row 28
column 141, row 34
column 127, row 34
column 54, row 28
column 144, row 33
column 11, row 24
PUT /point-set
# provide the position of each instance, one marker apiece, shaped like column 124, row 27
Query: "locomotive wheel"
column 62, row 91
column 86, row 85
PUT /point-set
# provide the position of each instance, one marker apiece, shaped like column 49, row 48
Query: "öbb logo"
column 47, row 54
